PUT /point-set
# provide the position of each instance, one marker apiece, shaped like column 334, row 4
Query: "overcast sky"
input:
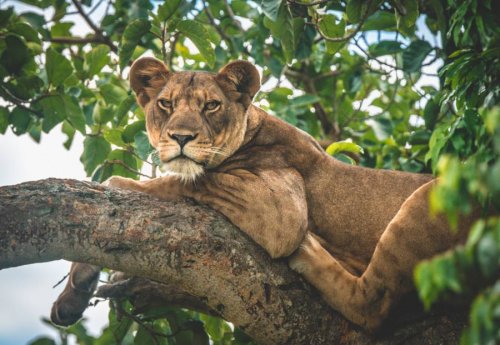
column 26, row 292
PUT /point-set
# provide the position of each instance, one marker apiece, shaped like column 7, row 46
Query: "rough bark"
column 200, row 259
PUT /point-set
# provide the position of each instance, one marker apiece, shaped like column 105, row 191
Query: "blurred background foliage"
column 401, row 84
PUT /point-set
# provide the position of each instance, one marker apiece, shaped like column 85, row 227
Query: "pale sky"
column 26, row 292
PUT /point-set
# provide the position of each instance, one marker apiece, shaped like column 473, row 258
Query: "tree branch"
column 194, row 252
column 353, row 33
column 97, row 30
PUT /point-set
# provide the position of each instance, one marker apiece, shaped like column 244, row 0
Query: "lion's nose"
column 182, row 139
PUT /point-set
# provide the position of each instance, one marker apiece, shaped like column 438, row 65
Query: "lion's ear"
column 242, row 77
column 147, row 77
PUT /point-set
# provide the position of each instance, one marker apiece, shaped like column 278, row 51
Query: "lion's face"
column 194, row 119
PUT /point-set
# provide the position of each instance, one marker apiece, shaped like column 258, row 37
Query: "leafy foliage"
column 351, row 71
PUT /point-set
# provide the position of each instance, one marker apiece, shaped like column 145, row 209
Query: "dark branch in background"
column 90, row 12
column 217, row 27
column 97, row 30
column 329, row 129
column 231, row 15
column 394, row 67
column 353, row 33
column 17, row 101
column 78, row 40
column 119, row 162
column 312, row 3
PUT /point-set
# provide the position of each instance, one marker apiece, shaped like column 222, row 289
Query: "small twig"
column 370, row 57
column 211, row 19
column 327, row 75
column 90, row 12
column 310, row 88
column 19, row 102
column 312, row 3
column 77, row 40
column 94, row 27
column 353, row 33
column 143, row 324
column 171, row 54
column 119, row 162
column 231, row 15
column 163, row 42
column 60, row 281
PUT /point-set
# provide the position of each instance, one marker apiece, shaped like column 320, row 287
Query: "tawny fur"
column 354, row 233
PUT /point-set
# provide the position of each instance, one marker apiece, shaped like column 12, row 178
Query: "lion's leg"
column 410, row 237
column 72, row 302
column 166, row 188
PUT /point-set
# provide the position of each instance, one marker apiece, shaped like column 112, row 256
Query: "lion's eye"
column 165, row 104
column 212, row 105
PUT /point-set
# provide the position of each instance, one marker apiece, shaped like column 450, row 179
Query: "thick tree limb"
column 201, row 260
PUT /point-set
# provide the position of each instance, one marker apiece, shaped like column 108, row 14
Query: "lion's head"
column 194, row 119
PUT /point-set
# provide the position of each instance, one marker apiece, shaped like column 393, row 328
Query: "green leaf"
column 420, row 137
column 144, row 336
column 382, row 127
column 131, row 130
column 343, row 146
column 407, row 22
column 69, row 130
column 95, row 151
column 113, row 94
column 74, row 113
column 42, row 341
column 488, row 255
column 123, row 109
column 53, row 112
column 20, row 120
column 142, row 146
column 431, row 113
column 385, row 48
column 27, row 31
column 167, row 9
column 126, row 159
column 380, row 20
column 57, row 108
column 58, row 67
column 15, row 55
column 96, row 59
column 4, row 119
column 271, row 8
column 102, row 114
column 114, row 136
column 200, row 37
column 282, row 28
column 330, row 27
column 355, row 10
column 131, row 38
column 5, row 16
column 216, row 327
column 415, row 54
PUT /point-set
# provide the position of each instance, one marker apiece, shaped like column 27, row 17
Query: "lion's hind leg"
column 363, row 305
column 410, row 237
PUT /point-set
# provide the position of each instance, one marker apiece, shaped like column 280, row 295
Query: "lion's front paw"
column 115, row 181
column 119, row 182
column 306, row 256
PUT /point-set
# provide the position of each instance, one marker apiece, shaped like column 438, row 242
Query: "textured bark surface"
column 201, row 260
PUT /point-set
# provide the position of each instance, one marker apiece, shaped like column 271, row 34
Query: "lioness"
column 354, row 233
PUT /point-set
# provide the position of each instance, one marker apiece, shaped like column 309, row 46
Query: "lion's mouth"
column 184, row 158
